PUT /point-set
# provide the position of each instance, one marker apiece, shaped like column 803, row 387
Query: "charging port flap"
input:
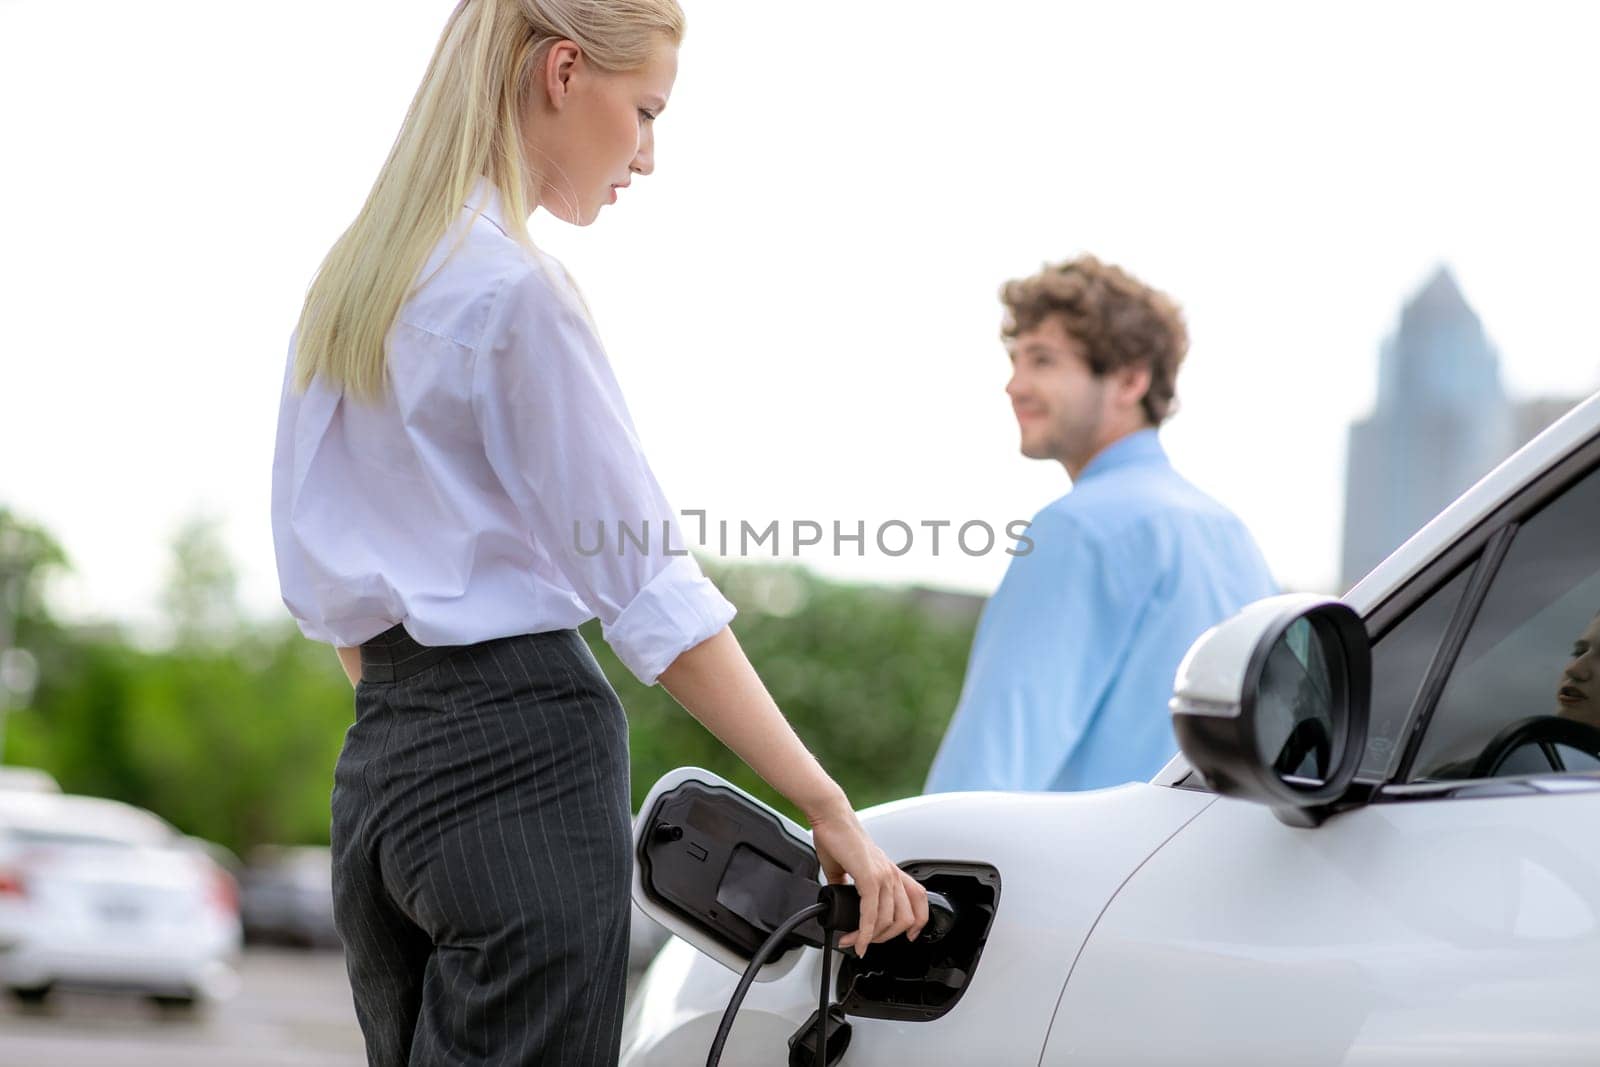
column 722, row 870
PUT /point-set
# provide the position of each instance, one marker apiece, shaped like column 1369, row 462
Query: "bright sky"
column 800, row 303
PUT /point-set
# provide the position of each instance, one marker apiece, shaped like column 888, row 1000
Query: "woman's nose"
column 1581, row 669
column 644, row 160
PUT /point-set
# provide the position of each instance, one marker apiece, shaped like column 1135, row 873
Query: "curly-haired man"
column 1073, row 662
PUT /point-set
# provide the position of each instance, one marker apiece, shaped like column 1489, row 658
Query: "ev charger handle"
column 724, row 871
column 670, row 917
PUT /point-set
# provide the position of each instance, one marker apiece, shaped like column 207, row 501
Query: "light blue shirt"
column 1074, row 658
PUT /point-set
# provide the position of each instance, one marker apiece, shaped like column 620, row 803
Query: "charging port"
column 734, row 871
column 917, row 981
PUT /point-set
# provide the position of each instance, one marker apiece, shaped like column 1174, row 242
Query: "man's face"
column 1579, row 695
column 1059, row 403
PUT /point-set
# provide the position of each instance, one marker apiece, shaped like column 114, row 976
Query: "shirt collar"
column 486, row 195
column 1141, row 448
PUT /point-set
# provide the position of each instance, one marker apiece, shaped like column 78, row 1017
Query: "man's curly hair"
column 1120, row 321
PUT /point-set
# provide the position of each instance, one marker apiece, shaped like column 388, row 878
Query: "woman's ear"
column 560, row 63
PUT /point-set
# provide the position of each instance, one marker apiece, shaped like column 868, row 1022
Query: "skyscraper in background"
column 1442, row 421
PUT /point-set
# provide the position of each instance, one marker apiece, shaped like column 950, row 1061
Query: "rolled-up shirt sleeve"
column 559, row 438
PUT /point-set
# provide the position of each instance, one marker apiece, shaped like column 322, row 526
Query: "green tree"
column 29, row 636
column 233, row 730
column 868, row 676
column 201, row 595
column 28, row 558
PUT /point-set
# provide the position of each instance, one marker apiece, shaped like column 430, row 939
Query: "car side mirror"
column 1272, row 704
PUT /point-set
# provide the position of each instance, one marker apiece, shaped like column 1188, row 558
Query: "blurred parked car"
column 102, row 894
column 286, row 896
column 27, row 780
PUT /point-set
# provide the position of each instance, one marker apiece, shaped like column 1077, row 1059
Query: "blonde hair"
column 464, row 121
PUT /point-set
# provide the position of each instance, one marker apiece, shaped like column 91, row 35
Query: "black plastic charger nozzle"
column 842, row 912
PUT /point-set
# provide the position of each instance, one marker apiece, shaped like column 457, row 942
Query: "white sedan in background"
column 1380, row 846
column 102, row 894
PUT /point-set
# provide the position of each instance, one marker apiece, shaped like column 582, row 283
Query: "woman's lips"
column 1570, row 695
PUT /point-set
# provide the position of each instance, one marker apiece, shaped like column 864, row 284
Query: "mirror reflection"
column 1295, row 720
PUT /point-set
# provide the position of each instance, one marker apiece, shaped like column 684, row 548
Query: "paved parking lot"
column 292, row 1008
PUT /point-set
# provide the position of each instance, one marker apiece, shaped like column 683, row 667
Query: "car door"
column 1453, row 915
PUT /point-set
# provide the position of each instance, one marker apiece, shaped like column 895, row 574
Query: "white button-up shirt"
column 470, row 502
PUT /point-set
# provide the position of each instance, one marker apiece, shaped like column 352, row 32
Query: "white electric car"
column 1381, row 844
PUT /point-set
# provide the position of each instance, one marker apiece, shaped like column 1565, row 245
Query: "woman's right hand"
column 892, row 902
column 715, row 681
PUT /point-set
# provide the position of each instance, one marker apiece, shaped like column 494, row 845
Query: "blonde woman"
column 448, row 421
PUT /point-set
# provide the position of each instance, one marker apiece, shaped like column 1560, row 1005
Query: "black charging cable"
column 838, row 908
column 841, row 910
column 757, row 961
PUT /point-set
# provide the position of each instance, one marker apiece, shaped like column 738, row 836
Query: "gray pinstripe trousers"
column 481, row 852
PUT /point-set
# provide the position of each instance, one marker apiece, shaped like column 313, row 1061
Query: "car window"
column 1400, row 659
column 1523, row 696
column 24, row 836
